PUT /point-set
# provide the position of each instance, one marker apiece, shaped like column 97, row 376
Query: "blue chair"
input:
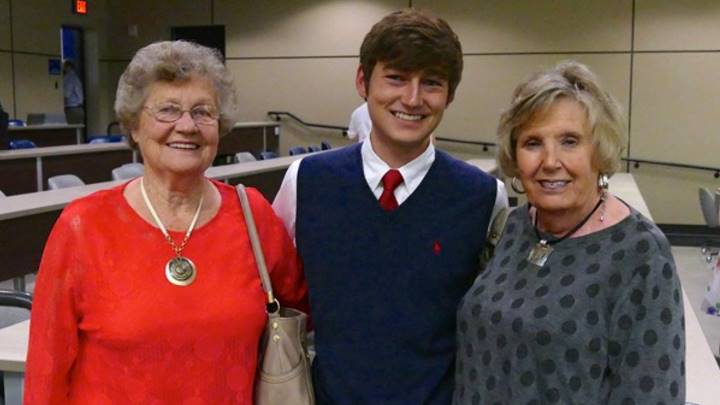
column 325, row 146
column 297, row 150
column 22, row 144
column 106, row 138
column 314, row 148
column 16, row 123
column 268, row 155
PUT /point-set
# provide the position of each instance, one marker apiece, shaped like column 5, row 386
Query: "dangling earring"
column 516, row 185
column 603, row 184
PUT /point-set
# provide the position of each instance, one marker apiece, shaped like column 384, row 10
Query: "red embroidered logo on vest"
column 437, row 248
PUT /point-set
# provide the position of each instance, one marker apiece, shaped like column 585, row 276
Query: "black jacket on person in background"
column 4, row 137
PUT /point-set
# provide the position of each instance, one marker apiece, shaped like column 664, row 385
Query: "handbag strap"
column 272, row 303
column 495, row 232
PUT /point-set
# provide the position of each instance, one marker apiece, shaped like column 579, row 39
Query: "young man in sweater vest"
column 390, row 230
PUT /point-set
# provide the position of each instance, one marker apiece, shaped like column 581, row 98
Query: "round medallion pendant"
column 180, row 271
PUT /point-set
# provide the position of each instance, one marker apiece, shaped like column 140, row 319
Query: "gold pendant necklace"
column 179, row 270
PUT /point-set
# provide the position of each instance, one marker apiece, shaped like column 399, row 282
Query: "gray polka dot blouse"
column 600, row 323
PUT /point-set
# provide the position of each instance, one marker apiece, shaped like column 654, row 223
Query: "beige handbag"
column 283, row 374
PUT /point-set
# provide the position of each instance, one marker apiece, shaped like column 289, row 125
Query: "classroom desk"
column 26, row 219
column 49, row 134
column 702, row 373
column 27, row 170
column 93, row 163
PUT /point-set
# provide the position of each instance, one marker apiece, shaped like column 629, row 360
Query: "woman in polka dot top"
column 581, row 303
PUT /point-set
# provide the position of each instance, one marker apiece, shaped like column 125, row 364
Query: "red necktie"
column 390, row 181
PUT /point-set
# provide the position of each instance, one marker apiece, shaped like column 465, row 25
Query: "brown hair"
column 411, row 40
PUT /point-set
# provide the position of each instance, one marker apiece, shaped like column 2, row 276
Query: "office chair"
column 22, row 144
column 313, row 148
column 268, row 154
column 710, row 207
column 128, row 171
column 242, row 157
column 14, row 307
column 297, row 150
column 64, row 181
column 18, row 299
column 325, row 145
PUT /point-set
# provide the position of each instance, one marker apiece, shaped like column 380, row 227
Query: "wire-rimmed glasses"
column 203, row 114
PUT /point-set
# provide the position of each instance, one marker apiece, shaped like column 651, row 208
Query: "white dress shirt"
column 360, row 123
column 374, row 168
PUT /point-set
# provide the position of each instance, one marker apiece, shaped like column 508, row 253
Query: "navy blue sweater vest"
column 384, row 287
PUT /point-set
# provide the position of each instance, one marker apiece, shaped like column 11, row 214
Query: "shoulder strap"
column 493, row 237
column 498, row 226
column 272, row 303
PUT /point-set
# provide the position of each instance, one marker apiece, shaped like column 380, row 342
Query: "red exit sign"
column 80, row 7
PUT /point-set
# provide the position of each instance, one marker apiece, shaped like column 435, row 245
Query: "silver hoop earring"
column 516, row 185
column 603, row 181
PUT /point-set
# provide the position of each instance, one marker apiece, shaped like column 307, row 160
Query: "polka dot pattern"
column 601, row 322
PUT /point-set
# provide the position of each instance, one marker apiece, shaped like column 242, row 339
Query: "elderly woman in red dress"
column 148, row 292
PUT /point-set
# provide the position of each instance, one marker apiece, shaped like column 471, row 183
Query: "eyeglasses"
column 202, row 114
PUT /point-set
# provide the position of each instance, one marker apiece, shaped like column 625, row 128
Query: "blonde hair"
column 573, row 80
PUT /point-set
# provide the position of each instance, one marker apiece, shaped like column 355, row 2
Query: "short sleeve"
column 354, row 125
column 285, row 203
column 646, row 345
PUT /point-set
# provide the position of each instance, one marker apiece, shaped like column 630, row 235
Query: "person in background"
column 148, row 292
column 4, row 136
column 581, row 303
column 73, row 94
column 390, row 230
column 360, row 124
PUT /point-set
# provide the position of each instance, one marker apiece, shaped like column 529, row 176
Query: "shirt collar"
column 413, row 172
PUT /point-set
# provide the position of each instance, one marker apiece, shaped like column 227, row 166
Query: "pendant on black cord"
column 540, row 253
column 180, row 271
